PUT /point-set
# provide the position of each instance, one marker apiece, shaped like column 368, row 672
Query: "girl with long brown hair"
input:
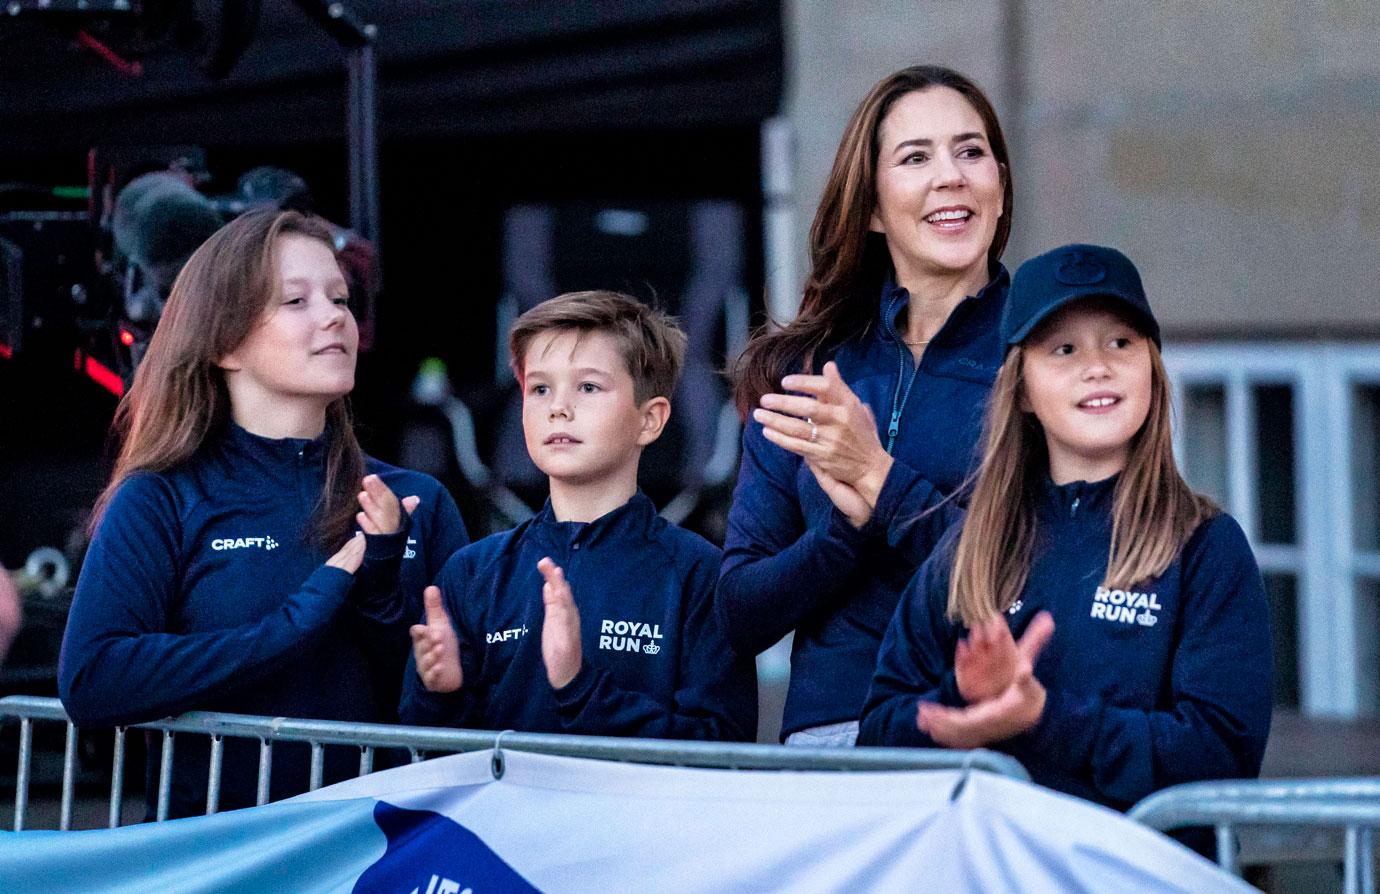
column 886, row 369
column 225, row 570
column 1144, row 652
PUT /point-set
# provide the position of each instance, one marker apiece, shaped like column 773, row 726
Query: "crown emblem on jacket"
column 651, row 648
column 1145, row 619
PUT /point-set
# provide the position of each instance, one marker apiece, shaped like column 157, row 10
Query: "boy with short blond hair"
column 596, row 616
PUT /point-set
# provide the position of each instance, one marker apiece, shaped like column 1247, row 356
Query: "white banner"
column 554, row 824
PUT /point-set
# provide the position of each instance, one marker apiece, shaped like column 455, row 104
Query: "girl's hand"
column 350, row 555
column 381, row 512
column 560, row 631
column 830, row 427
column 1017, row 709
column 435, row 646
column 986, row 661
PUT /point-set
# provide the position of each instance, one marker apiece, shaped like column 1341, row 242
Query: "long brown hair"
column 179, row 399
column 1154, row 511
column 847, row 260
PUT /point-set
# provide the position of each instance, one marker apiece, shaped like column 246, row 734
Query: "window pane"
column 1368, row 646
column 1365, row 465
column 1282, row 591
column 1205, row 440
column 1274, row 450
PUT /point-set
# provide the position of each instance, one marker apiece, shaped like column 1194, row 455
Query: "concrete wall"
column 1232, row 149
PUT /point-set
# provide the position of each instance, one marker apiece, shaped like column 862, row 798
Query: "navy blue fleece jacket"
column 202, row 590
column 794, row 562
column 655, row 662
column 1167, row 682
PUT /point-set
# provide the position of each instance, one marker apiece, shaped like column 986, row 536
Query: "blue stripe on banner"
column 300, row 847
column 446, row 857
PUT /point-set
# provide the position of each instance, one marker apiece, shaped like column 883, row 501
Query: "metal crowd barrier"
column 368, row 737
column 1351, row 804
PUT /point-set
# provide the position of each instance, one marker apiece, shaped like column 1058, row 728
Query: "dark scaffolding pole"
column 357, row 37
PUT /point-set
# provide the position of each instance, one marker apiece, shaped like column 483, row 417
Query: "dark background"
column 482, row 105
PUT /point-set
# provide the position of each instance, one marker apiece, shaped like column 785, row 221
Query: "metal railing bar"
column 165, row 777
column 651, row 751
column 366, row 760
column 117, row 779
column 21, row 781
column 1226, row 849
column 69, row 777
column 318, row 760
column 213, row 772
column 265, row 770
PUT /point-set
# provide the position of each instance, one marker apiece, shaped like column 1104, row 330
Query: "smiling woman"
column 866, row 409
column 247, row 556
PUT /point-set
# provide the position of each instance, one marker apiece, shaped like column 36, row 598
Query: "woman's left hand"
column 845, row 497
column 830, row 428
column 381, row 511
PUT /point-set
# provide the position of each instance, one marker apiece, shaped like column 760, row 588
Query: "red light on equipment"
column 127, row 338
column 100, row 373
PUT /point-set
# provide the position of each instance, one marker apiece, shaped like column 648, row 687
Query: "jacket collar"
column 1077, row 499
column 271, row 456
column 895, row 298
column 632, row 519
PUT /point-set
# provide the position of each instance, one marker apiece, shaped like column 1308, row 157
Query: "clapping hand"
column 381, row 511
column 560, row 631
column 835, row 433
column 996, row 675
column 435, row 647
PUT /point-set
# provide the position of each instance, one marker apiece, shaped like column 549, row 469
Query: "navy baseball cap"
column 1049, row 281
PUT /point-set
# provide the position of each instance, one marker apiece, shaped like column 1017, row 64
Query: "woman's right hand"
column 350, row 556
column 828, row 426
column 435, row 646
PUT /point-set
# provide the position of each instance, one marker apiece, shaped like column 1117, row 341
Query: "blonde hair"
column 1154, row 510
column 179, row 399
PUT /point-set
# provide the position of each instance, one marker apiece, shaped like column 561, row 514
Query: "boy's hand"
column 435, row 647
column 986, row 661
column 560, row 631
column 381, row 512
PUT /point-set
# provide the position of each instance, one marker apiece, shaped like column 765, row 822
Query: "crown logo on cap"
column 1077, row 269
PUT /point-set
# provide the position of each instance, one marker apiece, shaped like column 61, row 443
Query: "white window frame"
column 1325, row 561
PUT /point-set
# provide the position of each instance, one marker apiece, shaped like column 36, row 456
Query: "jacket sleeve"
column 121, row 665
column 716, row 692
column 915, row 662
column 776, row 571
column 462, row 708
column 379, row 595
column 1216, row 713
column 912, row 514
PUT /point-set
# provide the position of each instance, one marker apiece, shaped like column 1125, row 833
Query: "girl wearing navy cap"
column 1092, row 615
column 865, row 409
column 225, row 572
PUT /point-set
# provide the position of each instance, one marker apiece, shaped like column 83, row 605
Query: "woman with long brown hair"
column 225, row 570
column 1144, row 652
column 886, row 370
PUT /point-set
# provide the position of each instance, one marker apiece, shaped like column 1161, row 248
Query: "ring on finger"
column 814, row 430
